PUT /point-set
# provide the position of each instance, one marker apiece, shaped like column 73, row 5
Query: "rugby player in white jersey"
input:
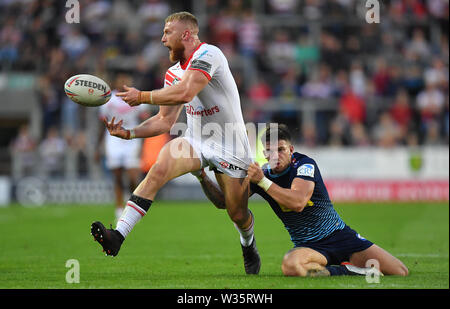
column 202, row 82
column 122, row 157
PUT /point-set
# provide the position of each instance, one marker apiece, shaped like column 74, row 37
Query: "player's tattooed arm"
column 211, row 189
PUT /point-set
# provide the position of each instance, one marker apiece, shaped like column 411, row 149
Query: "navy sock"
column 141, row 202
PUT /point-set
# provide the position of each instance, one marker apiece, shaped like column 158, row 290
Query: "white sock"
column 130, row 216
column 246, row 235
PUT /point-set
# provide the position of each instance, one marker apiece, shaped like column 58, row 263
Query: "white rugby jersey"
column 214, row 116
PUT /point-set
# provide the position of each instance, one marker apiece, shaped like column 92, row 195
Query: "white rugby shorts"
column 218, row 158
column 123, row 154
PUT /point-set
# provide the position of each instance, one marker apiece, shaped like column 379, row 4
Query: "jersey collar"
column 278, row 175
column 185, row 64
column 269, row 170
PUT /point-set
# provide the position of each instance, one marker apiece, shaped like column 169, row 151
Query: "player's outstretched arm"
column 295, row 198
column 154, row 126
column 159, row 124
column 192, row 83
column 212, row 190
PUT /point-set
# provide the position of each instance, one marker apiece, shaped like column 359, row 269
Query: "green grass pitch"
column 192, row 245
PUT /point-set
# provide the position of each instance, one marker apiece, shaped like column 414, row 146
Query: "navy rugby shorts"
column 339, row 245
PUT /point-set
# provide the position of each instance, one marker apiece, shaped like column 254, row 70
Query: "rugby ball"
column 87, row 90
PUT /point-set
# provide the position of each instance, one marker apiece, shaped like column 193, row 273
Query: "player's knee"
column 157, row 172
column 238, row 217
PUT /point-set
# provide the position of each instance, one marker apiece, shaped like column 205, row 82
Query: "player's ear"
column 185, row 34
column 291, row 148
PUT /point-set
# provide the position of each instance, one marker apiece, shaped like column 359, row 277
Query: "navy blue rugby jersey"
column 318, row 219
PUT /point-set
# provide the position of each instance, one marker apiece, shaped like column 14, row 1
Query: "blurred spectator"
column 381, row 77
column 223, row 31
column 413, row 80
column 280, row 52
column 75, row 43
column 10, row 37
column 430, row 103
column 288, row 88
column 49, row 101
column 338, row 129
column 357, row 79
column 386, row 133
column 249, row 35
column 52, row 150
column 80, row 147
column 308, row 135
column 445, row 120
column 340, row 83
column 413, row 8
column 312, row 9
column 23, row 149
column 401, row 111
column 282, row 6
column 437, row 74
column 306, row 52
column 438, row 8
column 433, row 134
column 320, row 85
column 352, row 107
column 153, row 13
column 258, row 94
column 396, row 80
column 331, row 51
column 95, row 16
column 288, row 91
column 358, row 135
column 418, row 46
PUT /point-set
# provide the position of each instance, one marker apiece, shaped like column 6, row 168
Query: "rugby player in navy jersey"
column 323, row 244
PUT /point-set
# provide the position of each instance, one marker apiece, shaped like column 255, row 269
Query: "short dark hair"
column 281, row 131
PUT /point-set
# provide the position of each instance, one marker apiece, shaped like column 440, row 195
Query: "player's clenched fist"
column 255, row 173
column 116, row 129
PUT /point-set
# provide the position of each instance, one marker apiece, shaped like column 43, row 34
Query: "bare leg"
column 235, row 191
column 176, row 158
column 118, row 187
column 134, row 175
column 389, row 265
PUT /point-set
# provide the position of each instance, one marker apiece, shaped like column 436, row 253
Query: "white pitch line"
column 422, row 255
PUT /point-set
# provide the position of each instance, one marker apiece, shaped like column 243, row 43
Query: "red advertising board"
column 376, row 190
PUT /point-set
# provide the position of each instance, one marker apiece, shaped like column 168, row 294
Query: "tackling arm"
column 212, row 190
column 295, row 198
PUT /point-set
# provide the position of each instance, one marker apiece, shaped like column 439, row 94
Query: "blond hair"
column 185, row 17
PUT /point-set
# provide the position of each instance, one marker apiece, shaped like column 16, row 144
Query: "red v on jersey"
column 170, row 78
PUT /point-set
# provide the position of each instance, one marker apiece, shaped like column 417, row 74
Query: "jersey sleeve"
column 307, row 170
column 206, row 61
